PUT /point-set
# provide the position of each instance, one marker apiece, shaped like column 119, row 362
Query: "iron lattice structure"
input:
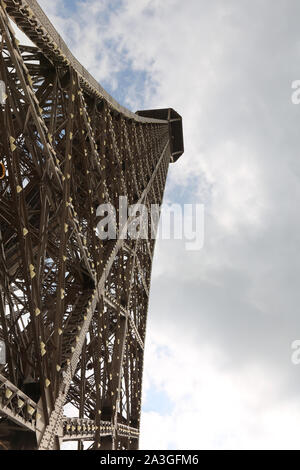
column 73, row 308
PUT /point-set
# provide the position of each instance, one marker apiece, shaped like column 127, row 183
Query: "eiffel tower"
column 73, row 306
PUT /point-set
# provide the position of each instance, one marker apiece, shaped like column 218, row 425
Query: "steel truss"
column 73, row 307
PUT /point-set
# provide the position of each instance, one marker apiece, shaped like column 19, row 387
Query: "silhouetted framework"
column 73, row 308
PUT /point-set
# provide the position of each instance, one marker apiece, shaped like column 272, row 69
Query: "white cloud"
column 214, row 408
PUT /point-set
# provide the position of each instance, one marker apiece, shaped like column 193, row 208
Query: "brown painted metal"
column 73, row 308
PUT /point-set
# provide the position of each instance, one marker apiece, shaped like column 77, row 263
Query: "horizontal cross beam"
column 85, row 429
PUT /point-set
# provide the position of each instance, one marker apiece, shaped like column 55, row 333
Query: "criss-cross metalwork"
column 73, row 307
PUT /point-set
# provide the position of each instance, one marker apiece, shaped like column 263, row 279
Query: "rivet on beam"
column 8, row 393
column 20, row 403
column 12, row 144
column 31, row 270
column 30, row 410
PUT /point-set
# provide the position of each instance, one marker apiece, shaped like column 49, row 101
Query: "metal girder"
column 17, row 406
column 113, row 303
column 73, row 307
column 85, row 429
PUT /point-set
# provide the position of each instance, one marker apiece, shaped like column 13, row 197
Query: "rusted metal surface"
column 73, row 308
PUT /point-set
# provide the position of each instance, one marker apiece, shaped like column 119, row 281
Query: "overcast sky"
column 218, row 370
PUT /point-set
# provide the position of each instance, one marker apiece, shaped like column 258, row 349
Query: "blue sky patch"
column 157, row 400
